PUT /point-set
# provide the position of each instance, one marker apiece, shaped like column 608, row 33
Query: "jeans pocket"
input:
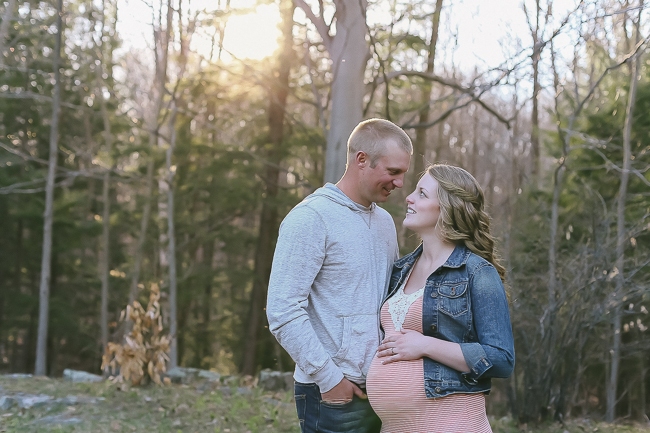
column 336, row 404
column 301, row 407
column 354, row 416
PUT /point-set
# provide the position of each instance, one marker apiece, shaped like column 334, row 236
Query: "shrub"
column 144, row 353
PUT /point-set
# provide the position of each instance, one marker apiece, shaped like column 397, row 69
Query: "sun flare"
column 253, row 36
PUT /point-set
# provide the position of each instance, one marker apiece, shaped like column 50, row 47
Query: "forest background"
column 172, row 162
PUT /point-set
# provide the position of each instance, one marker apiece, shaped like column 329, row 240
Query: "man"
column 330, row 273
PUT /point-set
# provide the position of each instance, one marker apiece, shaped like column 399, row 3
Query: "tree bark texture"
column 348, row 51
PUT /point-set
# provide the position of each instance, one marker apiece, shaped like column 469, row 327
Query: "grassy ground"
column 173, row 408
column 202, row 407
column 506, row 425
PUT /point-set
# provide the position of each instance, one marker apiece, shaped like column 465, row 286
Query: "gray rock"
column 275, row 380
column 69, row 400
column 230, row 380
column 76, row 376
column 58, row 419
column 7, row 402
column 72, row 400
column 244, row 391
column 186, row 375
column 19, row 376
column 177, row 375
column 29, row 401
column 211, row 376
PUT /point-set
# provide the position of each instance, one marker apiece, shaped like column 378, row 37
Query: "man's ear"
column 361, row 159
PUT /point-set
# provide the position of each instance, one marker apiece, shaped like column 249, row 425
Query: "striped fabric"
column 396, row 393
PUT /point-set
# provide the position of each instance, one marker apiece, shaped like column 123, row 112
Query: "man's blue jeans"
column 317, row 416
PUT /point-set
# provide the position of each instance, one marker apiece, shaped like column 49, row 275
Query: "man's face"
column 379, row 181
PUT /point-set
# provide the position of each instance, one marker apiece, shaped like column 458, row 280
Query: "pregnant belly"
column 395, row 386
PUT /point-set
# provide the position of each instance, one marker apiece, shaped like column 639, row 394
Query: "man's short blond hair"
column 371, row 137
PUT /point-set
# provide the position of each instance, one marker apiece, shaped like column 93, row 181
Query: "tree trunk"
column 203, row 321
column 105, row 258
column 641, row 403
column 552, row 248
column 18, row 263
column 420, row 142
column 171, row 242
column 549, row 359
column 537, row 384
column 48, row 216
column 144, row 226
column 161, row 38
column 621, row 241
column 106, row 187
column 5, row 280
column 534, row 133
column 349, row 54
column 7, row 18
column 269, row 214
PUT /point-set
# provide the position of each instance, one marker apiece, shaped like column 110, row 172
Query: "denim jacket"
column 464, row 302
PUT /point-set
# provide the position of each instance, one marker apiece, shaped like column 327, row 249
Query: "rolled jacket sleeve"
column 493, row 355
column 298, row 259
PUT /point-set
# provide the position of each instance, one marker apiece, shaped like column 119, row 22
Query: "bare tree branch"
column 318, row 21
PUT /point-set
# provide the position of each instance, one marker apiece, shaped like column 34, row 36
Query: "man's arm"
column 298, row 258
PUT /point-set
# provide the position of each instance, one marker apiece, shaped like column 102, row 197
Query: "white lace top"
column 400, row 302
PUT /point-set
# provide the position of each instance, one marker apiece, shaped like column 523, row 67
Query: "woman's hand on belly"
column 406, row 345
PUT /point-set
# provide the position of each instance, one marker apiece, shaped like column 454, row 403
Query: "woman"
column 446, row 320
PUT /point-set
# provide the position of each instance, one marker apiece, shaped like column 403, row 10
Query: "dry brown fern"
column 143, row 354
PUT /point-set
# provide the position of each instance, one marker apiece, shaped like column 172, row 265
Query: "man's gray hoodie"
column 330, row 274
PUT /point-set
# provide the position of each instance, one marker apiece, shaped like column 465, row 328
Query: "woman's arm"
column 493, row 354
column 411, row 345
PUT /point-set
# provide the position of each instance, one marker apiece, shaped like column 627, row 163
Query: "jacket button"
column 438, row 390
column 433, row 328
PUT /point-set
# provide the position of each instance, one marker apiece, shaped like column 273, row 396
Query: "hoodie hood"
column 333, row 193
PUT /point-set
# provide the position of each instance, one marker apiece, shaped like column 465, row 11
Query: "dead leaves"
column 143, row 355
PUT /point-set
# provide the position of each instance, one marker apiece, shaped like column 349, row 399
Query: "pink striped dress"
column 396, row 392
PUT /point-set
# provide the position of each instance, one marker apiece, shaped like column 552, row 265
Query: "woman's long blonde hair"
column 462, row 212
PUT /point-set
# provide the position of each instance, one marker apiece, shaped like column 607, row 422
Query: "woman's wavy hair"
column 462, row 212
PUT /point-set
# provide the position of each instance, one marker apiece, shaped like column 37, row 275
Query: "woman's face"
column 423, row 207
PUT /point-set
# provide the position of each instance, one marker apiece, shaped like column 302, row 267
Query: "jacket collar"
column 457, row 258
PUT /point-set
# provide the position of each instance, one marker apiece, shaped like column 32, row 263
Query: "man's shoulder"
column 312, row 209
column 311, row 205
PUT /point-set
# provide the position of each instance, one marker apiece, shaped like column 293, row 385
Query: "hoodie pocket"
column 358, row 345
column 345, row 339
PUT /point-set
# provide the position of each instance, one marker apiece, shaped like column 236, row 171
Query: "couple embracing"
column 381, row 343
